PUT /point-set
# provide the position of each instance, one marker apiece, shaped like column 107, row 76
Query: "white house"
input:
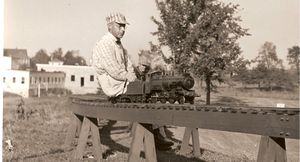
column 14, row 81
column 79, row 79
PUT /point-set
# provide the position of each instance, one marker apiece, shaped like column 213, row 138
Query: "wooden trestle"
column 273, row 124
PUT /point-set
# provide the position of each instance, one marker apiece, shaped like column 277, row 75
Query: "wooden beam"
column 243, row 121
column 142, row 140
column 272, row 149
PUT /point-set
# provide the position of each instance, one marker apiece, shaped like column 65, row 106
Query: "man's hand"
column 141, row 70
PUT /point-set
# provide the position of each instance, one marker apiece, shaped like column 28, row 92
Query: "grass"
column 41, row 135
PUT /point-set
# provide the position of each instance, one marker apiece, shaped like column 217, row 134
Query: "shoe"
column 161, row 142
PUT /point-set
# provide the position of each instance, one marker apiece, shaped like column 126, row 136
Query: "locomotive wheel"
column 163, row 100
column 181, row 100
column 125, row 100
column 153, row 100
column 171, row 100
column 189, row 99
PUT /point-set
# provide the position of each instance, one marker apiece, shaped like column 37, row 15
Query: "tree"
column 57, row 54
column 240, row 71
column 293, row 57
column 153, row 57
column 41, row 57
column 72, row 58
column 267, row 65
column 202, row 36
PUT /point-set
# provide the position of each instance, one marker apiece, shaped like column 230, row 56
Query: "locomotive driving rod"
column 267, row 121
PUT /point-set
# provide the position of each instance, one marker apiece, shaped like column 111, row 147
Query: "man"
column 115, row 70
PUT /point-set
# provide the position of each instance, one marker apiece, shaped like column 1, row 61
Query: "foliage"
column 240, row 71
column 72, row 58
column 269, row 69
column 267, row 56
column 41, row 57
column 57, row 54
column 153, row 58
column 293, row 57
column 202, row 36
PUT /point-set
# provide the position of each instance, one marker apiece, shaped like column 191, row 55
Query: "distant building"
column 16, row 81
column 19, row 57
column 79, row 79
column 40, row 80
column 56, row 62
column 27, row 83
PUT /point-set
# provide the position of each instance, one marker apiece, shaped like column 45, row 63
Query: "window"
column 48, row 79
column 23, row 80
column 58, row 79
column 40, row 79
column 4, row 79
column 91, row 78
column 55, row 79
column 14, row 79
column 72, row 78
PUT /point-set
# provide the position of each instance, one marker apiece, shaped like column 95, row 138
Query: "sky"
column 78, row 24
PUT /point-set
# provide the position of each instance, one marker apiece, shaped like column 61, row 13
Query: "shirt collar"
column 112, row 37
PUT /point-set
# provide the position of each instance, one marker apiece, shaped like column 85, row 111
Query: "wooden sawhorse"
column 142, row 140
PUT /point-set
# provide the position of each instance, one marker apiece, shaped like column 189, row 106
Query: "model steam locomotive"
column 160, row 86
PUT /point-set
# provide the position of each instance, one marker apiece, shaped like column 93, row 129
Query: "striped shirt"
column 112, row 65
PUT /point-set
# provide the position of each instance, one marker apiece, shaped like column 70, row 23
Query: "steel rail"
column 266, row 121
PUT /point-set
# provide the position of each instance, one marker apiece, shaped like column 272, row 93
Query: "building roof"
column 16, row 53
column 47, row 72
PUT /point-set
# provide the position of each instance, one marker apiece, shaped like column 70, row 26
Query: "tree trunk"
column 208, row 80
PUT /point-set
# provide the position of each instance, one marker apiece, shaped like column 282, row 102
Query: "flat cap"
column 116, row 17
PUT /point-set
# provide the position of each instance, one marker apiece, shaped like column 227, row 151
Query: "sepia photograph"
column 150, row 80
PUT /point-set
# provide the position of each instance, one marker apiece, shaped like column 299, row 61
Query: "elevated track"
column 272, row 123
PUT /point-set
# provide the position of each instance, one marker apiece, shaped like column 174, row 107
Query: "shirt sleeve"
column 105, row 56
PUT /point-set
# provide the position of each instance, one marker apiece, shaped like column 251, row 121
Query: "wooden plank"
column 185, row 141
column 268, row 124
column 196, row 143
column 86, row 126
column 71, row 131
column 272, row 149
column 149, row 146
column 79, row 120
column 162, row 131
column 97, row 150
column 136, row 144
column 133, row 128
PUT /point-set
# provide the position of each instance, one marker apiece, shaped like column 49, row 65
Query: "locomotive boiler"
column 160, row 86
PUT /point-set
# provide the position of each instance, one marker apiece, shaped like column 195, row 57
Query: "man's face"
column 117, row 30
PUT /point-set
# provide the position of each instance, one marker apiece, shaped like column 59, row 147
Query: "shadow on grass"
column 162, row 156
column 228, row 101
column 106, row 139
